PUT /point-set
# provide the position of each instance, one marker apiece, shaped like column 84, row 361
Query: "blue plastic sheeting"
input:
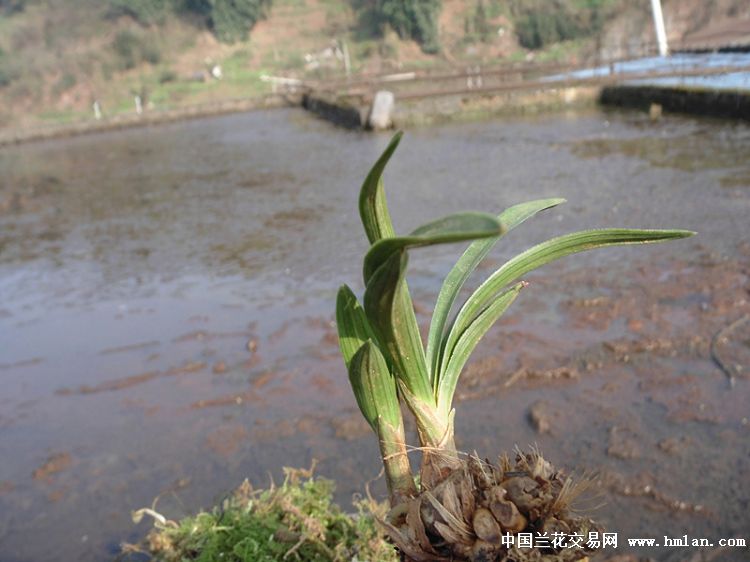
column 731, row 81
column 673, row 63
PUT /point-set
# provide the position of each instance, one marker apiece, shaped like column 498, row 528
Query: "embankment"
column 427, row 110
column 345, row 112
column 18, row 136
column 352, row 112
column 732, row 104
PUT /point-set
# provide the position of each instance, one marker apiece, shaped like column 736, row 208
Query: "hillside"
column 683, row 20
column 57, row 57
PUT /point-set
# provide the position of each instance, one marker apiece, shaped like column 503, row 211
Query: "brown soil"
column 227, row 439
column 55, row 463
column 133, row 380
column 238, row 399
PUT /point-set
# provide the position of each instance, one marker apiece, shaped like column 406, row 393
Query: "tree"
column 9, row 7
column 232, row 20
column 147, row 12
column 411, row 19
column 543, row 22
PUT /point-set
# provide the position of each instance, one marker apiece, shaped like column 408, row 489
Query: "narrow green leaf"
column 374, row 387
column 351, row 323
column 467, row 263
column 373, row 208
column 453, row 228
column 466, row 343
column 376, row 219
column 389, row 312
column 544, row 253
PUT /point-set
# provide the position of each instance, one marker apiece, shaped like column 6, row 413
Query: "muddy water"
column 166, row 307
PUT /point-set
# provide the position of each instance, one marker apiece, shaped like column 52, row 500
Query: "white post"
column 138, row 105
column 661, row 34
column 97, row 111
column 347, row 60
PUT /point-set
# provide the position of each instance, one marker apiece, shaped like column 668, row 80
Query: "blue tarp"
column 729, row 81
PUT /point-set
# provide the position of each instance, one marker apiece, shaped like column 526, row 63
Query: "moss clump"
column 296, row 522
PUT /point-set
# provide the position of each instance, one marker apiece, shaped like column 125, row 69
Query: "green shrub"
column 231, row 20
column 477, row 26
column 200, row 7
column 482, row 26
column 167, row 75
column 66, row 82
column 125, row 45
column 410, row 19
column 132, row 49
column 149, row 51
column 146, row 12
column 542, row 22
column 5, row 77
column 413, row 19
column 8, row 72
column 9, row 7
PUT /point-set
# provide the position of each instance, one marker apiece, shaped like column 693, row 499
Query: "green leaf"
column 374, row 387
column 466, row 343
column 389, row 312
column 373, row 208
column 467, row 263
column 351, row 323
column 544, row 253
column 453, row 228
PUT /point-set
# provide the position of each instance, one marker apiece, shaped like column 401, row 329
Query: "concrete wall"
column 695, row 101
column 344, row 113
column 438, row 109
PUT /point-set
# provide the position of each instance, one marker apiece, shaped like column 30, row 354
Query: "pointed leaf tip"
column 546, row 252
column 373, row 208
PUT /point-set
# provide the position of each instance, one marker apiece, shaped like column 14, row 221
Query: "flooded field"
column 166, row 318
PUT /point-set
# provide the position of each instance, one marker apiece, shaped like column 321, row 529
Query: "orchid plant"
column 387, row 361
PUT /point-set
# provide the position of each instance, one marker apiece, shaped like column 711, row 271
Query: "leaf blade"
column 544, row 253
column 373, row 208
column 351, row 324
column 468, row 341
column 389, row 312
column 465, row 266
column 457, row 227
column 374, row 387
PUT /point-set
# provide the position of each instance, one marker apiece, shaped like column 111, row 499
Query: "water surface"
column 166, row 316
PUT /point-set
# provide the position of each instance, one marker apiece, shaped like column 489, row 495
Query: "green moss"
column 296, row 521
